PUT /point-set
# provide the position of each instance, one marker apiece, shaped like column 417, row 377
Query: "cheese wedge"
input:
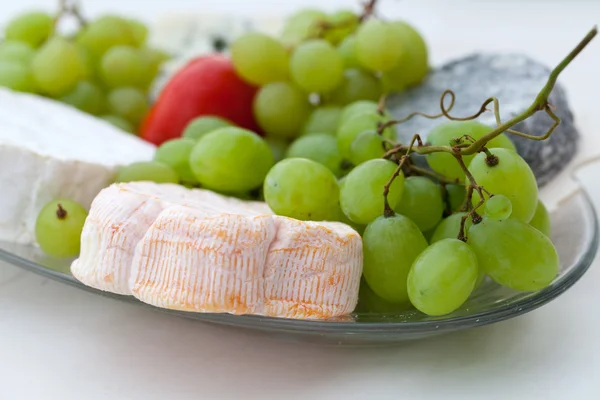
column 50, row 150
column 194, row 250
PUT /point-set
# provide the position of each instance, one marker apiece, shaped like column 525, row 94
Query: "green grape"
column 358, row 107
column 348, row 52
column 370, row 303
column 442, row 277
column 514, row 254
column 231, row 159
column 443, row 134
column 281, row 109
column 14, row 51
column 340, row 24
column 16, row 76
column 541, row 219
column 361, row 195
column 359, row 123
column 33, row 28
column 151, row 171
column 176, row 154
column 57, row 67
column 87, row 97
column 129, row 103
column 316, row 66
column 319, row 147
column 139, row 32
column 421, row 202
column 511, row 177
column 449, row 227
column 413, row 65
column 456, row 195
column 259, row 59
column 106, row 32
column 390, row 245
column 58, row 228
column 90, row 67
column 122, row 66
column 357, row 85
column 379, row 47
column 278, row 148
column 368, row 145
column 200, row 126
column 303, row 189
column 302, row 25
column 498, row 207
column 323, row 119
column 153, row 59
column 119, row 122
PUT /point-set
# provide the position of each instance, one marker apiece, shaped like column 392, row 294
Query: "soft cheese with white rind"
column 208, row 253
column 50, row 150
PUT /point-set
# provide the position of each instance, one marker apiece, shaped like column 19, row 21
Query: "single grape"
column 14, row 51
column 456, row 195
column 129, row 103
column 231, row 160
column 87, row 97
column 443, row 134
column 105, row 32
column 358, row 107
column 390, row 246
column 33, row 28
column 356, row 85
column 259, row 59
column 541, row 219
column 122, row 66
column 511, row 177
column 361, row 196
column 57, row 67
column 348, row 52
column 422, row 202
column 323, row 119
column 151, row 171
column 281, row 109
column 368, row 145
column 278, row 148
column 340, row 24
column 498, row 207
column 359, row 123
column 370, row 303
column 413, row 65
column 514, row 254
column 16, row 76
column 119, row 122
column 58, row 228
column 379, row 47
column 176, row 154
column 319, row 147
column 442, row 277
column 316, row 67
column 139, row 32
column 200, row 126
column 303, row 189
column 302, row 25
column 449, row 227
column 153, row 59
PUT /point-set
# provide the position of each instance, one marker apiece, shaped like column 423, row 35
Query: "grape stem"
column 368, row 9
column 69, row 7
column 468, row 206
column 387, row 210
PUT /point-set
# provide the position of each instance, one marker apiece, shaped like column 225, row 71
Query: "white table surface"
column 57, row 342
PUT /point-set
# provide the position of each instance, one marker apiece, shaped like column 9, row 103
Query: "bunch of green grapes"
column 105, row 68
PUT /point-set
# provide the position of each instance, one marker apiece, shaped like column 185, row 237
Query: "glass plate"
column 575, row 237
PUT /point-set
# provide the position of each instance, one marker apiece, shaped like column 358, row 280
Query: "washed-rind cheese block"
column 204, row 252
column 49, row 150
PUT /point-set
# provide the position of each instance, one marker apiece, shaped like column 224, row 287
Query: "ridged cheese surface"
column 195, row 250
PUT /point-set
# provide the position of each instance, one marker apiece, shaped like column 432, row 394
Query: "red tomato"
column 207, row 85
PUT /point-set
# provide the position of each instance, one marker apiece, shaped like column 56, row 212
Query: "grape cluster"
column 104, row 69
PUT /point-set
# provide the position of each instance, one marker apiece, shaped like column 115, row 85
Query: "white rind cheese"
column 49, row 150
column 194, row 250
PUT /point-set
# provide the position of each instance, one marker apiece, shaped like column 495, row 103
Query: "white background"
column 57, row 342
